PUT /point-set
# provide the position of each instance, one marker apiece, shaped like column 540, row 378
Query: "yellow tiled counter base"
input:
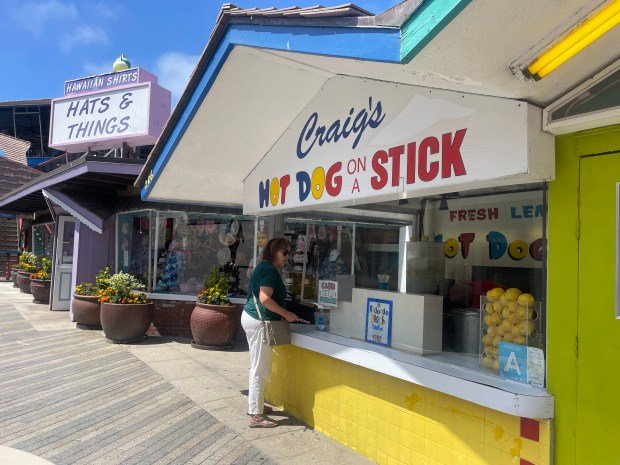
column 395, row 422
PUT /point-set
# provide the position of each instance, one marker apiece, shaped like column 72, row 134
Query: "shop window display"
column 171, row 252
column 135, row 246
column 42, row 239
column 190, row 245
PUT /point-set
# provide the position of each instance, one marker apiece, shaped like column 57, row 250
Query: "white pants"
column 260, row 356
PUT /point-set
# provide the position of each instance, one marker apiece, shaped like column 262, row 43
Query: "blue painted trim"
column 375, row 44
column 34, row 161
column 426, row 23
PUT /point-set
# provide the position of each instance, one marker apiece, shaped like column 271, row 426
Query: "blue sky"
column 46, row 42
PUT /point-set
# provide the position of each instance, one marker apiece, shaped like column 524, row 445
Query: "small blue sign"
column 513, row 361
column 379, row 321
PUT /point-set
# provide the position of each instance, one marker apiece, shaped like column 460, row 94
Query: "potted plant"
column 40, row 282
column 28, row 264
column 85, row 304
column 214, row 320
column 125, row 312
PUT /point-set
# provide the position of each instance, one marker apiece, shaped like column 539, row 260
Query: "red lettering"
column 395, row 153
column 284, row 183
column 356, row 186
column 471, row 214
column 333, row 184
column 428, row 171
column 380, row 180
column 482, row 214
column 465, row 239
column 452, row 215
column 411, row 162
column 493, row 213
column 462, row 215
column 451, row 154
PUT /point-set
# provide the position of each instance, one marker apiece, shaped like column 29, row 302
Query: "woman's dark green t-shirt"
column 265, row 274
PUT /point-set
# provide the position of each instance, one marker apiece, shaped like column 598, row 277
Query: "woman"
column 268, row 287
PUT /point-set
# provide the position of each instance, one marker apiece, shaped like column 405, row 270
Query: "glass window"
column 42, row 243
column 135, row 245
column 188, row 246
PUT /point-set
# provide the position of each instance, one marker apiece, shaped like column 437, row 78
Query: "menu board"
column 379, row 321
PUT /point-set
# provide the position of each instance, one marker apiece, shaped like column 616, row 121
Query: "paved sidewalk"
column 70, row 397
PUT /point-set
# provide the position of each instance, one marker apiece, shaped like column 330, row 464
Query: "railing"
column 8, row 257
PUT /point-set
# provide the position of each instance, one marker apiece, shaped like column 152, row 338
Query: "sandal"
column 261, row 421
column 266, row 410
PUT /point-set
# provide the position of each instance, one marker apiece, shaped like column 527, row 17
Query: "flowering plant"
column 123, row 288
column 29, row 262
column 215, row 288
column 86, row 289
column 45, row 271
column 102, row 278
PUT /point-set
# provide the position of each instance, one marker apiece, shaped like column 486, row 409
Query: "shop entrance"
column 61, row 293
column 598, row 326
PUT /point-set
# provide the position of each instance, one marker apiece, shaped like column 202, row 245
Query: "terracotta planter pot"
column 86, row 311
column 23, row 281
column 14, row 272
column 126, row 323
column 214, row 326
column 41, row 290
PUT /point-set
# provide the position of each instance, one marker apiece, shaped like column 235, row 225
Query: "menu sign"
column 328, row 293
column 379, row 321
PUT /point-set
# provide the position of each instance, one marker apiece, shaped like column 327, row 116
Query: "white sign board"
column 92, row 118
column 328, row 293
column 361, row 140
column 379, row 321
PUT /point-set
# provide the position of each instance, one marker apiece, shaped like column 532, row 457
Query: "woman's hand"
column 290, row 317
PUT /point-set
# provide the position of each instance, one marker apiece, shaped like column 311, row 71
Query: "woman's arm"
column 265, row 298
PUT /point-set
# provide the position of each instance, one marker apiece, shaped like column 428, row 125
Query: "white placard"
column 379, row 321
column 328, row 293
column 106, row 115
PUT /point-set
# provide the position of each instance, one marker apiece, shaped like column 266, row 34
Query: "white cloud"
column 84, row 35
column 173, row 70
column 109, row 10
column 33, row 16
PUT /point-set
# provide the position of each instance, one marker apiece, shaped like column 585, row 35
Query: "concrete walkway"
column 70, row 397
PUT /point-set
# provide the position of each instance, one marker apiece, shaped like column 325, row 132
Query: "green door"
column 598, row 345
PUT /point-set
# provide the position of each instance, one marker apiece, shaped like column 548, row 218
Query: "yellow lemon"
column 495, row 293
column 503, row 300
column 516, row 330
column 513, row 306
column 496, row 365
column 488, row 308
column 492, row 331
column 505, row 312
column 521, row 313
column 497, row 307
column 495, row 352
column 497, row 319
column 509, row 337
column 496, row 340
column 487, row 362
column 487, row 340
column 501, row 331
column 520, row 340
column 526, row 300
column 488, row 320
column 513, row 293
column 487, row 352
column 506, row 325
column 527, row 327
column 514, row 319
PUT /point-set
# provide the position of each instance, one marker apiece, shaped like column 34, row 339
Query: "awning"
column 83, row 214
column 89, row 176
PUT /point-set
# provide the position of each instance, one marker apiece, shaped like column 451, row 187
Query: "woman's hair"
column 273, row 246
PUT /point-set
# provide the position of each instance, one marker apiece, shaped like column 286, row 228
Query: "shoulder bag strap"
column 260, row 317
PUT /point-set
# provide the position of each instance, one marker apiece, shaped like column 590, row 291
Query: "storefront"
column 410, row 190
